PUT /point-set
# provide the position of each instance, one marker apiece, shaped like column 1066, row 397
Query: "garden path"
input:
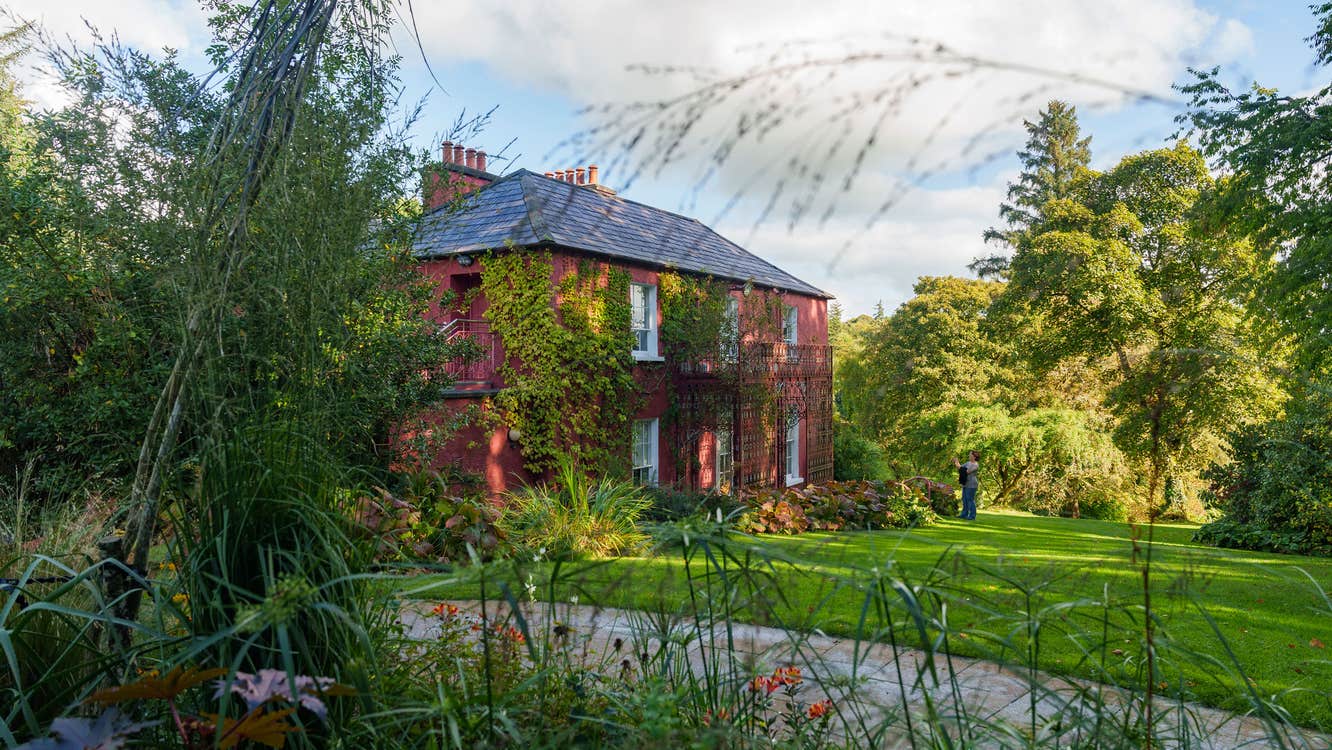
column 997, row 701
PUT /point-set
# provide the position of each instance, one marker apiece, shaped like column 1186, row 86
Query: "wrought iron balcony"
column 478, row 364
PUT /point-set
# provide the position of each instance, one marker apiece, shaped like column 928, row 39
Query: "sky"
column 867, row 159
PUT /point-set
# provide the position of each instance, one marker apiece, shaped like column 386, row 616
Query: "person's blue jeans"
column 969, row 503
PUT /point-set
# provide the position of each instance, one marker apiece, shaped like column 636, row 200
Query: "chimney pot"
column 458, row 153
column 550, row 175
column 481, row 160
column 591, row 174
column 448, row 151
column 471, row 158
column 580, row 177
column 559, row 175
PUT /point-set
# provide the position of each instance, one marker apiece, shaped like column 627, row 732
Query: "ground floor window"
column 725, row 462
column 793, row 450
column 645, row 452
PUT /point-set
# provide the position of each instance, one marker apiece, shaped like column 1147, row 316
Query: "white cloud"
column 931, row 233
column 581, row 48
column 144, row 24
column 936, row 119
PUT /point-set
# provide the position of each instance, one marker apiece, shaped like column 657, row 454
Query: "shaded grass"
column 1223, row 616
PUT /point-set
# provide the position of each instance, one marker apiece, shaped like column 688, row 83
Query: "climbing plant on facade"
column 570, row 389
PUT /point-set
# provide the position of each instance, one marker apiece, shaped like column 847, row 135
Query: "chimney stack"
column 461, row 170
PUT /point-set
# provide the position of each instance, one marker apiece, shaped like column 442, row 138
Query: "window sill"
column 793, row 481
column 645, row 357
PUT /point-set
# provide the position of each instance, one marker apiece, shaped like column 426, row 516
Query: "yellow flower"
column 181, row 599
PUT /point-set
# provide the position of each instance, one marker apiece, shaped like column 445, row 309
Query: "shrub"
column 943, row 499
column 855, row 456
column 1276, row 492
column 576, row 515
column 427, row 522
column 837, row 505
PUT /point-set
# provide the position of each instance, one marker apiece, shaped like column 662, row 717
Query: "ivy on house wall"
column 569, row 370
column 694, row 325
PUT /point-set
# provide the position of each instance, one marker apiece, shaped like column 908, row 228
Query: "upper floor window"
column 643, row 319
column 789, row 325
column 730, row 331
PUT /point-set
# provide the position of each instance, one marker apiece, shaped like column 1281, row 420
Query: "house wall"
column 490, row 453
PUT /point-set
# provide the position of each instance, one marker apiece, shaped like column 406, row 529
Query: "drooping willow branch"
column 791, row 88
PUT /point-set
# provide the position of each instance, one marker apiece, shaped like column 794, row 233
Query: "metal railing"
column 479, row 363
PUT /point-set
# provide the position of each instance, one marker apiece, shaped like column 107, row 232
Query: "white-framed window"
column 725, row 468
column 789, row 325
column 793, row 450
column 730, row 331
column 643, row 319
column 645, row 452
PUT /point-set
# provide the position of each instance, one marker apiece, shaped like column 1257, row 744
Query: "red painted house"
column 695, row 430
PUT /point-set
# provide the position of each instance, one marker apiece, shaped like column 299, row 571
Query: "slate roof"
column 526, row 208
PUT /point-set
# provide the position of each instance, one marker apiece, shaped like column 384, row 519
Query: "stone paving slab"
column 885, row 684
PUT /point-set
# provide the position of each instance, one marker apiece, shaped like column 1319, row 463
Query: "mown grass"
column 1232, row 627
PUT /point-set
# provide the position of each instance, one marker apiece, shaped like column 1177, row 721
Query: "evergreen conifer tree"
column 1054, row 154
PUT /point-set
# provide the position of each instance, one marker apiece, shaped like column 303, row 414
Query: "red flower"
column 445, row 610
column 820, row 709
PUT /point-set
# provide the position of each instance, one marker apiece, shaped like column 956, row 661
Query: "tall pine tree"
column 1050, row 162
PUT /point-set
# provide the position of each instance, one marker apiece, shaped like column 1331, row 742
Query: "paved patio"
column 1001, row 706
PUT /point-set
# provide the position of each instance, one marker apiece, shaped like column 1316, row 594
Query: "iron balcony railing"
column 479, row 364
column 759, row 360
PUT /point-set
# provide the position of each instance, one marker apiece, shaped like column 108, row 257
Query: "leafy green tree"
column 930, row 352
column 1055, row 157
column 1126, row 271
column 1277, row 153
column 1277, row 150
column 1051, row 460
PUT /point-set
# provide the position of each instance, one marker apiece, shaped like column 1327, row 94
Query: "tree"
column 1277, row 151
column 1053, row 160
column 930, row 351
column 1127, row 270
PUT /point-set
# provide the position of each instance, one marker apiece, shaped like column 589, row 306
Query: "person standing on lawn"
column 968, row 475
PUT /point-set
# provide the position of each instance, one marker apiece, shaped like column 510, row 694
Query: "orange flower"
column 445, row 610
column 787, row 676
column 820, row 709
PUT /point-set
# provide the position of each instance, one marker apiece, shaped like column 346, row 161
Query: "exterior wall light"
column 465, row 260
column 515, row 434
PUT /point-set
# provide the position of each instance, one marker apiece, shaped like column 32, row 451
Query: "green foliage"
column 1276, row 492
column 572, row 393
column 427, row 522
column 1043, row 460
column 694, row 325
column 854, row 455
column 574, row 515
column 1126, row 272
column 834, row 506
column 1052, row 162
column 1276, row 151
column 101, row 270
column 930, row 352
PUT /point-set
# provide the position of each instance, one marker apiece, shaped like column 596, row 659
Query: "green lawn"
column 1079, row 576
